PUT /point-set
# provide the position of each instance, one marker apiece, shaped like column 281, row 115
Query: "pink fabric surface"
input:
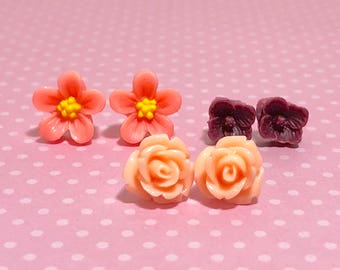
column 65, row 207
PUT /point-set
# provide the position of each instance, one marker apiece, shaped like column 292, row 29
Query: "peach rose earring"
column 231, row 171
column 160, row 170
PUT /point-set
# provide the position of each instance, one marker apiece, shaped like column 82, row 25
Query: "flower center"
column 69, row 108
column 146, row 108
column 229, row 123
column 279, row 123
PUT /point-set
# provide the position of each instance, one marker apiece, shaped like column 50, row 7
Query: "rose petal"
column 133, row 130
column 81, row 128
column 70, row 84
column 160, row 124
column 177, row 144
column 248, row 196
column 168, row 101
column 145, row 84
column 227, row 142
column 160, row 139
column 52, row 127
column 220, row 192
column 130, row 174
column 200, row 175
column 168, row 193
column 92, row 101
column 123, row 102
column 46, row 99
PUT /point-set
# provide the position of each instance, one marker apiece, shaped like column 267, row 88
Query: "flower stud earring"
column 281, row 121
column 160, row 170
column 230, row 118
column 231, row 171
column 145, row 107
column 70, row 107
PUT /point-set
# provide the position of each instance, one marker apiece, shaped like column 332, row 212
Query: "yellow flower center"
column 146, row 108
column 69, row 108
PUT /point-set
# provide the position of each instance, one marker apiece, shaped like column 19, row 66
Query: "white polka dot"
column 330, row 245
column 217, row 258
column 304, row 234
column 236, row 222
column 124, row 257
column 260, row 234
column 214, row 212
column 10, row 245
column 106, row 222
column 57, row 244
column 82, row 233
column 62, row 222
column 37, row 233
column 18, row 221
column 129, row 212
column 150, row 222
column 29, row 257
column 127, row 233
column 77, row 257
column 311, row 258
column 274, row 201
column 215, row 233
column 298, row 212
column 149, row 245
column 256, row 212
column 193, row 222
column 194, row 245
column 102, row 245
column 279, row 222
column 323, row 223
column 172, row 233
column 283, row 245
column 50, row 268
column 43, row 211
column 264, row 258
column 239, row 245
column 87, row 211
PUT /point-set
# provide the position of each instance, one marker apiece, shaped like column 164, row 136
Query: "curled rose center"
column 164, row 173
column 229, row 174
column 279, row 123
column 229, row 123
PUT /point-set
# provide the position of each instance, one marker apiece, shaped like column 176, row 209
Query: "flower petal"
column 244, row 115
column 130, row 174
column 133, row 130
column 81, row 128
column 248, row 196
column 221, row 107
column 215, row 131
column 160, row 124
column 70, row 84
column 123, row 102
column 92, row 101
column 160, row 139
column 297, row 116
column 275, row 106
column 145, row 85
column 52, row 127
column 46, row 99
column 291, row 136
column 168, row 101
column 266, row 128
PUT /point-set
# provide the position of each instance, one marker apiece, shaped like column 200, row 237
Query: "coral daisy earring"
column 145, row 108
column 70, row 107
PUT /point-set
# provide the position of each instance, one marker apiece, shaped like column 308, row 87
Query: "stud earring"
column 231, row 171
column 280, row 121
column 146, row 108
column 160, row 170
column 230, row 118
column 70, row 107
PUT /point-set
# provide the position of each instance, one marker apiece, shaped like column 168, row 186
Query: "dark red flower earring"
column 281, row 121
column 230, row 118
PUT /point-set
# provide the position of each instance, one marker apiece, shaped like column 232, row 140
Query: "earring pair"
column 278, row 120
column 161, row 170
column 71, row 107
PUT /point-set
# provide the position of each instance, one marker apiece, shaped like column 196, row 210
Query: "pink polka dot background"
column 65, row 207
